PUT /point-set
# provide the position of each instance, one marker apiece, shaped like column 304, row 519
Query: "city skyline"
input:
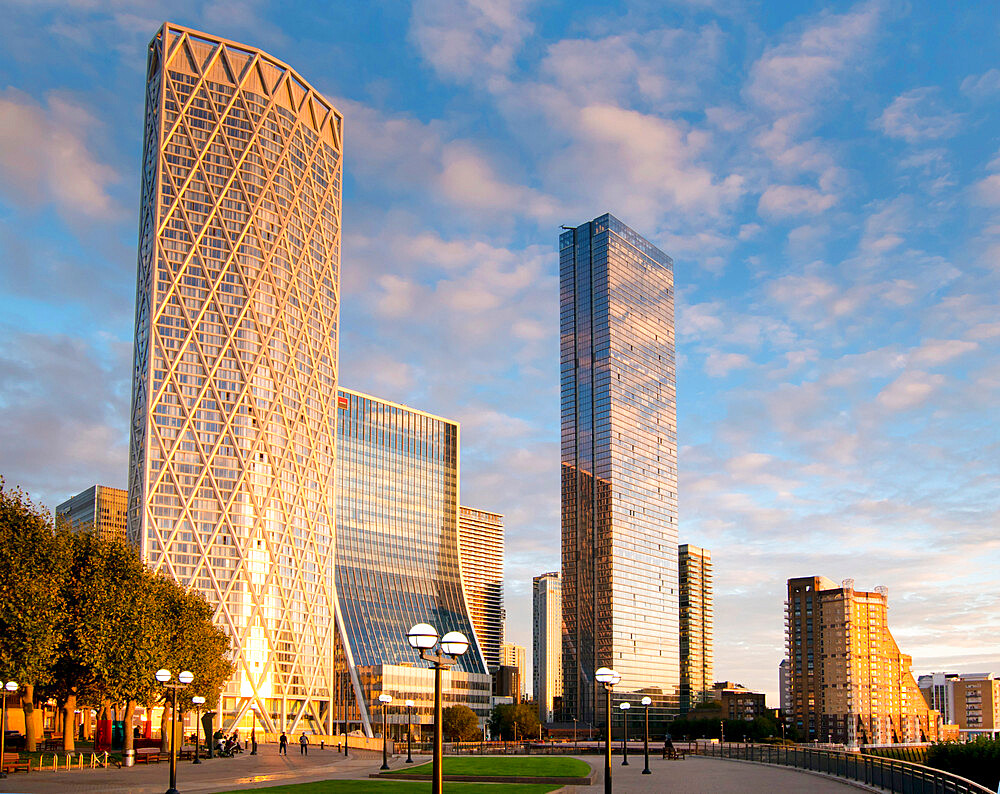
column 824, row 179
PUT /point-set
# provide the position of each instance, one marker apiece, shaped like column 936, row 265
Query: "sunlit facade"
column 696, row 637
column 480, row 540
column 231, row 469
column 100, row 509
column 619, row 467
column 546, row 651
column 398, row 561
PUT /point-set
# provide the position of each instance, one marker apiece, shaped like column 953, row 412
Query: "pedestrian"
column 303, row 745
column 282, row 744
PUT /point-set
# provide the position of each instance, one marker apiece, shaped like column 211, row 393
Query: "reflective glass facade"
column 100, row 508
column 480, row 539
column 233, row 426
column 546, row 657
column 696, row 637
column 619, row 467
column 397, row 561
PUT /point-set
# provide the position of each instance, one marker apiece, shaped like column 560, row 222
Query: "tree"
column 510, row 721
column 460, row 724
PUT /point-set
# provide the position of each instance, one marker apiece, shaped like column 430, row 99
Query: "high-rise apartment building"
column 231, row 464
column 939, row 694
column 480, row 539
column 784, row 693
column 512, row 655
column 100, row 508
column 398, row 561
column 848, row 680
column 546, row 654
column 695, row 578
column 977, row 704
column 619, row 468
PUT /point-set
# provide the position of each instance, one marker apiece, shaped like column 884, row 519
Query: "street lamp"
column 575, row 745
column 183, row 679
column 625, row 707
column 645, row 737
column 607, row 677
column 253, row 730
column 198, row 701
column 424, row 638
column 385, row 700
column 11, row 687
column 409, row 730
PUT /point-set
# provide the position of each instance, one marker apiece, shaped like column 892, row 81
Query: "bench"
column 53, row 742
column 149, row 755
column 12, row 763
column 675, row 754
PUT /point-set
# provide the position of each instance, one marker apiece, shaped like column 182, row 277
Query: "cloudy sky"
column 827, row 180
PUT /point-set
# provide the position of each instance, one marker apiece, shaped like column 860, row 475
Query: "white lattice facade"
column 231, row 480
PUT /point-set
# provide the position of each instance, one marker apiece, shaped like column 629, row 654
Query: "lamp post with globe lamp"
column 452, row 645
column 645, row 736
column 184, row 678
column 608, row 678
column 385, row 699
column 409, row 731
column 625, row 707
column 9, row 688
column 253, row 730
column 198, row 701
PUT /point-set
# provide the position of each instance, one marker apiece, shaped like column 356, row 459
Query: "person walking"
column 303, row 745
column 282, row 744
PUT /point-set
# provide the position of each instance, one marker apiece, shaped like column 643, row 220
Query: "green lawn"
column 508, row 765
column 401, row 787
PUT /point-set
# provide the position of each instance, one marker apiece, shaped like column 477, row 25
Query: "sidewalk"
column 267, row 768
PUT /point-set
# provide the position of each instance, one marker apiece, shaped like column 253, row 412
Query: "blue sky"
column 825, row 176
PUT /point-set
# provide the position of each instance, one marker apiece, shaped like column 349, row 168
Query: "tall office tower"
column 512, row 655
column 232, row 448
column 938, row 690
column 546, row 652
column 848, row 680
column 480, row 540
column 695, row 577
column 784, row 693
column 977, row 705
column 99, row 507
column 398, row 559
column 619, row 468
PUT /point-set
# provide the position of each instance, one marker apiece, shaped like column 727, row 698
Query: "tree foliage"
column 506, row 718
column 978, row 760
column 459, row 724
column 735, row 730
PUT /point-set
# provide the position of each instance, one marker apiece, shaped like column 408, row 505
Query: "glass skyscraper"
column 546, row 651
column 480, row 540
column 619, row 467
column 696, row 629
column 231, row 464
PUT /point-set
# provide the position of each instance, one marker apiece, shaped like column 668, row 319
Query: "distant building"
column 508, row 683
column 977, row 704
column 849, row 682
column 515, row 656
column 101, row 508
column 784, row 694
column 736, row 702
column 696, row 649
column 938, row 692
column 480, row 538
column 546, row 656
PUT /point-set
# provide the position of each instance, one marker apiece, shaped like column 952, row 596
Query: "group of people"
column 228, row 745
column 283, row 744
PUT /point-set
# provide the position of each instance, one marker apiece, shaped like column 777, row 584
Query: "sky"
column 826, row 177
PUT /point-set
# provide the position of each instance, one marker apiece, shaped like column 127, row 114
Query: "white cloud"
column 934, row 352
column 987, row 191
column 718, row 365
column 917, row 116
column 784, row 201
column 910, row 390
column 982, row 86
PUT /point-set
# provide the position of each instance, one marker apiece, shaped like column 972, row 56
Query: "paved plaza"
column 696, row 775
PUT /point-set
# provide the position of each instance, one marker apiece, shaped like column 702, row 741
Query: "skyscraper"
column 480, row 540
column 512, row 655
column 231, row 464
column 546, row 652
column 848, row 680
column 619, row 466
column 695, row 569
column 397, row 561
column 100, row 508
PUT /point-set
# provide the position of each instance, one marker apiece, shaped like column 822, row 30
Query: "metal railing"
column 886, row 773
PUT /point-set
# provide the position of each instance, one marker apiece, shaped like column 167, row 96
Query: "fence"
column 886, row 773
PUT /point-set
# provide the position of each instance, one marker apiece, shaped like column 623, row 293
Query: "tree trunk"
column 69, row 723
column 129, row 736
column 30, row 728
column 165, row 721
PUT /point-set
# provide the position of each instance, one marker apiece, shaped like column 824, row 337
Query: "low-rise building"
column 977, row 704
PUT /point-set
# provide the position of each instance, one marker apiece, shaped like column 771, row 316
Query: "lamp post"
column 575, row 745
column 409, row 731
column 184, row 678
column 198, row 701
column 385, row 700
column 253, row 730
column 645, row 736
column 625, row 707
column 11, row 687
column 607, row 677
column 424, row 638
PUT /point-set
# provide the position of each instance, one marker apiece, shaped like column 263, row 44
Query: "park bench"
column 53, row 742
column 149, row 755
column 12, row 763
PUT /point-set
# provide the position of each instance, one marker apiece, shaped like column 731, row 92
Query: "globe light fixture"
column 423, row 637
column 184, row 678
column 163, row 675
column 646, row 701
column 454, row 643
column 198, row 701
column 385, row 699
column 608, row 678
column 625, row 706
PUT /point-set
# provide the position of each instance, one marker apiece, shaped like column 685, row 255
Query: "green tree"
column 510, row 721
column 459, row 724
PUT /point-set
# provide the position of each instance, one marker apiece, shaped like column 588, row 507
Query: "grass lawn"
column 509, row 765
column 401, row 787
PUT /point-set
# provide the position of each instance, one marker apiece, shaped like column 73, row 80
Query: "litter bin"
column 128, row 758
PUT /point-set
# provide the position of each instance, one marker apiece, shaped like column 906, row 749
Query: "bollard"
column 105, row 759
column 128, row 758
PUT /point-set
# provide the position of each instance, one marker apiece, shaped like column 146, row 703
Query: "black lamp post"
column 625, row 707
column 385, row 700
column 645, row 736
column 198, row 701
column 424, row 638
column 607, row 677
column 253, row 731
column 575, row 745
column 11, row 687
column 409, row 731
column 183, row 679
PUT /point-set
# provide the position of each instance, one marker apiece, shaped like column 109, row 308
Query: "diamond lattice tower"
column 231, row 486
